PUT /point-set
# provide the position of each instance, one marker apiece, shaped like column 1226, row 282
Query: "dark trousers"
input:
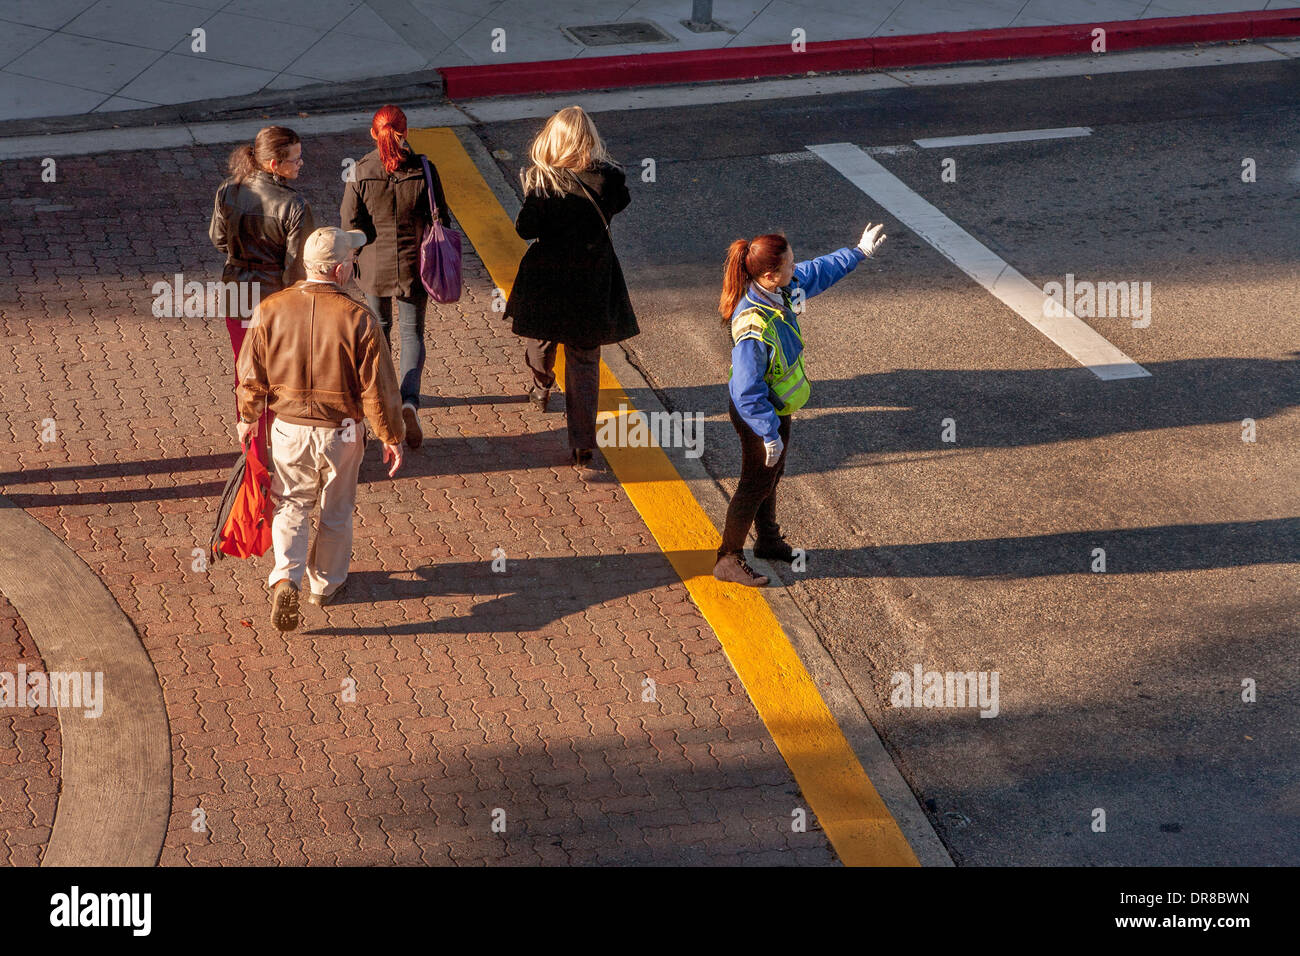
column 410, row 326
column 581, row 385
column 754, row 503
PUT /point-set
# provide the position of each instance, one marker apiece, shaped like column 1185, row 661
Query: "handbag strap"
column 587, row 193
column 428, row 183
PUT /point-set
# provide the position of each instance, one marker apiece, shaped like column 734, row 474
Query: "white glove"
column 871, row 239
column 774, row 449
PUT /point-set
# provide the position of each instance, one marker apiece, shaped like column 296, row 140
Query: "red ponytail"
column 388, row 131
column 746, row 260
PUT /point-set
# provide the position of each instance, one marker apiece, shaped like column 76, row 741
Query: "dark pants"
column 581, row 385
column 754, row 503
column 410, row 325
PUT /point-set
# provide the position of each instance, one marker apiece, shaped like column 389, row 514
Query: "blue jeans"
column 410, row 322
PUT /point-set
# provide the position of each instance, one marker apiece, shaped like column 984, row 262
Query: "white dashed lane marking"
column 1014, row 136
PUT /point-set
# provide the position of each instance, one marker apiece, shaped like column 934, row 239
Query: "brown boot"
column 284, row 606
column 732, row 568
column 773, row 549
column 414, row 436
column 591, row 468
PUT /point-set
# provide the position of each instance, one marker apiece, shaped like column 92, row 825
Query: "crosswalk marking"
column 967, row 253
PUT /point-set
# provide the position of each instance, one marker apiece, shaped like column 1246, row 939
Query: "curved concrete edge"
column 115, row 793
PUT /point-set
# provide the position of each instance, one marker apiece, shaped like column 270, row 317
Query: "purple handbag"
column 439, row 253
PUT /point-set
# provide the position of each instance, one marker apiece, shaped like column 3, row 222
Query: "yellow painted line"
column 838, row 791
column 477, row 210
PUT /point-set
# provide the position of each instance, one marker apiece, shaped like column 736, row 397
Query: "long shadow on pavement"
column 535, row 592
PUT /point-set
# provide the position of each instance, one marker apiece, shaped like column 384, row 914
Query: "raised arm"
column 817, row 275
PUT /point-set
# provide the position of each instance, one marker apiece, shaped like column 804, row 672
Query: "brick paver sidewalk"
column 474, row 690
column 29, row 756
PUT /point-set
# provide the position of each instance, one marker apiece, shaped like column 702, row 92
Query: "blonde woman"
column 570, row 289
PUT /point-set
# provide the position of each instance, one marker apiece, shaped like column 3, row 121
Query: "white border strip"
column 963, row 250
column 1014, row 136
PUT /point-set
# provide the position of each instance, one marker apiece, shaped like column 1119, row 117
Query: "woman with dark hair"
column 570, row 289
column 260, row 223
column 763, row 289
column 389, row 200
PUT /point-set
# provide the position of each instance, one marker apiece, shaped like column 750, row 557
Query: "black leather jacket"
column 261, row 225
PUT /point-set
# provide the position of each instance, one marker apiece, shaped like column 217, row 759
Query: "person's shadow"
column 529, row 594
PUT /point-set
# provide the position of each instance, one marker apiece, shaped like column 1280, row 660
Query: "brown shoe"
column 325, row 600
column 541, row 397
column 589, row 466
column 284, row 606
column 732, row 568
column 414, row 436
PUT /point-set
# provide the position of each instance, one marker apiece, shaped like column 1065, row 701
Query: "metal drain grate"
column 609, row 34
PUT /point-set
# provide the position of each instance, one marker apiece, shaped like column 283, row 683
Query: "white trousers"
column 311, row 465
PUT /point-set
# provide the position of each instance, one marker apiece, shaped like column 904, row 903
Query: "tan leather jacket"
column 316, row 357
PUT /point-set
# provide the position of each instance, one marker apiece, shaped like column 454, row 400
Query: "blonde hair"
column 567, row 145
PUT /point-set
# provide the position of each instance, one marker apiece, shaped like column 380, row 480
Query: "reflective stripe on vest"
column 788, row 382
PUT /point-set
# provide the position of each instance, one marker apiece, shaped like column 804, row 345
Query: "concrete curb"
column 743, row 63
column 839, row 697
column 115, row 792
column 408, row 89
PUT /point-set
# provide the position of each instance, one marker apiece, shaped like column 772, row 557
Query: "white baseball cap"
column 329, row 246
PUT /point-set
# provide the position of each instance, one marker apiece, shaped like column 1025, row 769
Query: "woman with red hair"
column 387, row 198
column 763, row 291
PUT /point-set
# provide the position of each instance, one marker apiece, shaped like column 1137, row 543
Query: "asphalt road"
column 1119, row 691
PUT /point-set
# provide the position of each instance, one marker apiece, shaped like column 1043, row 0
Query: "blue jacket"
column 749, row 358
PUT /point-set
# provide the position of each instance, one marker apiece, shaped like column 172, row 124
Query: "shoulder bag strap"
column 587, row 193
column 428, row 185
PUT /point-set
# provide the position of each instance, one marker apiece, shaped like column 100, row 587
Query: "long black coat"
column 570, row 286
column 392, row 209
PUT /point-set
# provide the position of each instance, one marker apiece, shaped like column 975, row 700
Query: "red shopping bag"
column 243, row 527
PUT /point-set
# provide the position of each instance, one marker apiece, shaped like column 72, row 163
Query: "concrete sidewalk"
column 67, row 57
column 577, row 690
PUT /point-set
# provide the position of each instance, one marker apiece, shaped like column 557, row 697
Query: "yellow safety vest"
column 788, row 382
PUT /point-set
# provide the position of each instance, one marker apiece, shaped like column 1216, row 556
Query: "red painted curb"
column 750, row 62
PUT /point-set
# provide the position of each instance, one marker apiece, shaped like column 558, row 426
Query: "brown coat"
column 392, row 209
column 316, row 357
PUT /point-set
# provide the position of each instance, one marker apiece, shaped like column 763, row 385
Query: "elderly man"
column 319, row 360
